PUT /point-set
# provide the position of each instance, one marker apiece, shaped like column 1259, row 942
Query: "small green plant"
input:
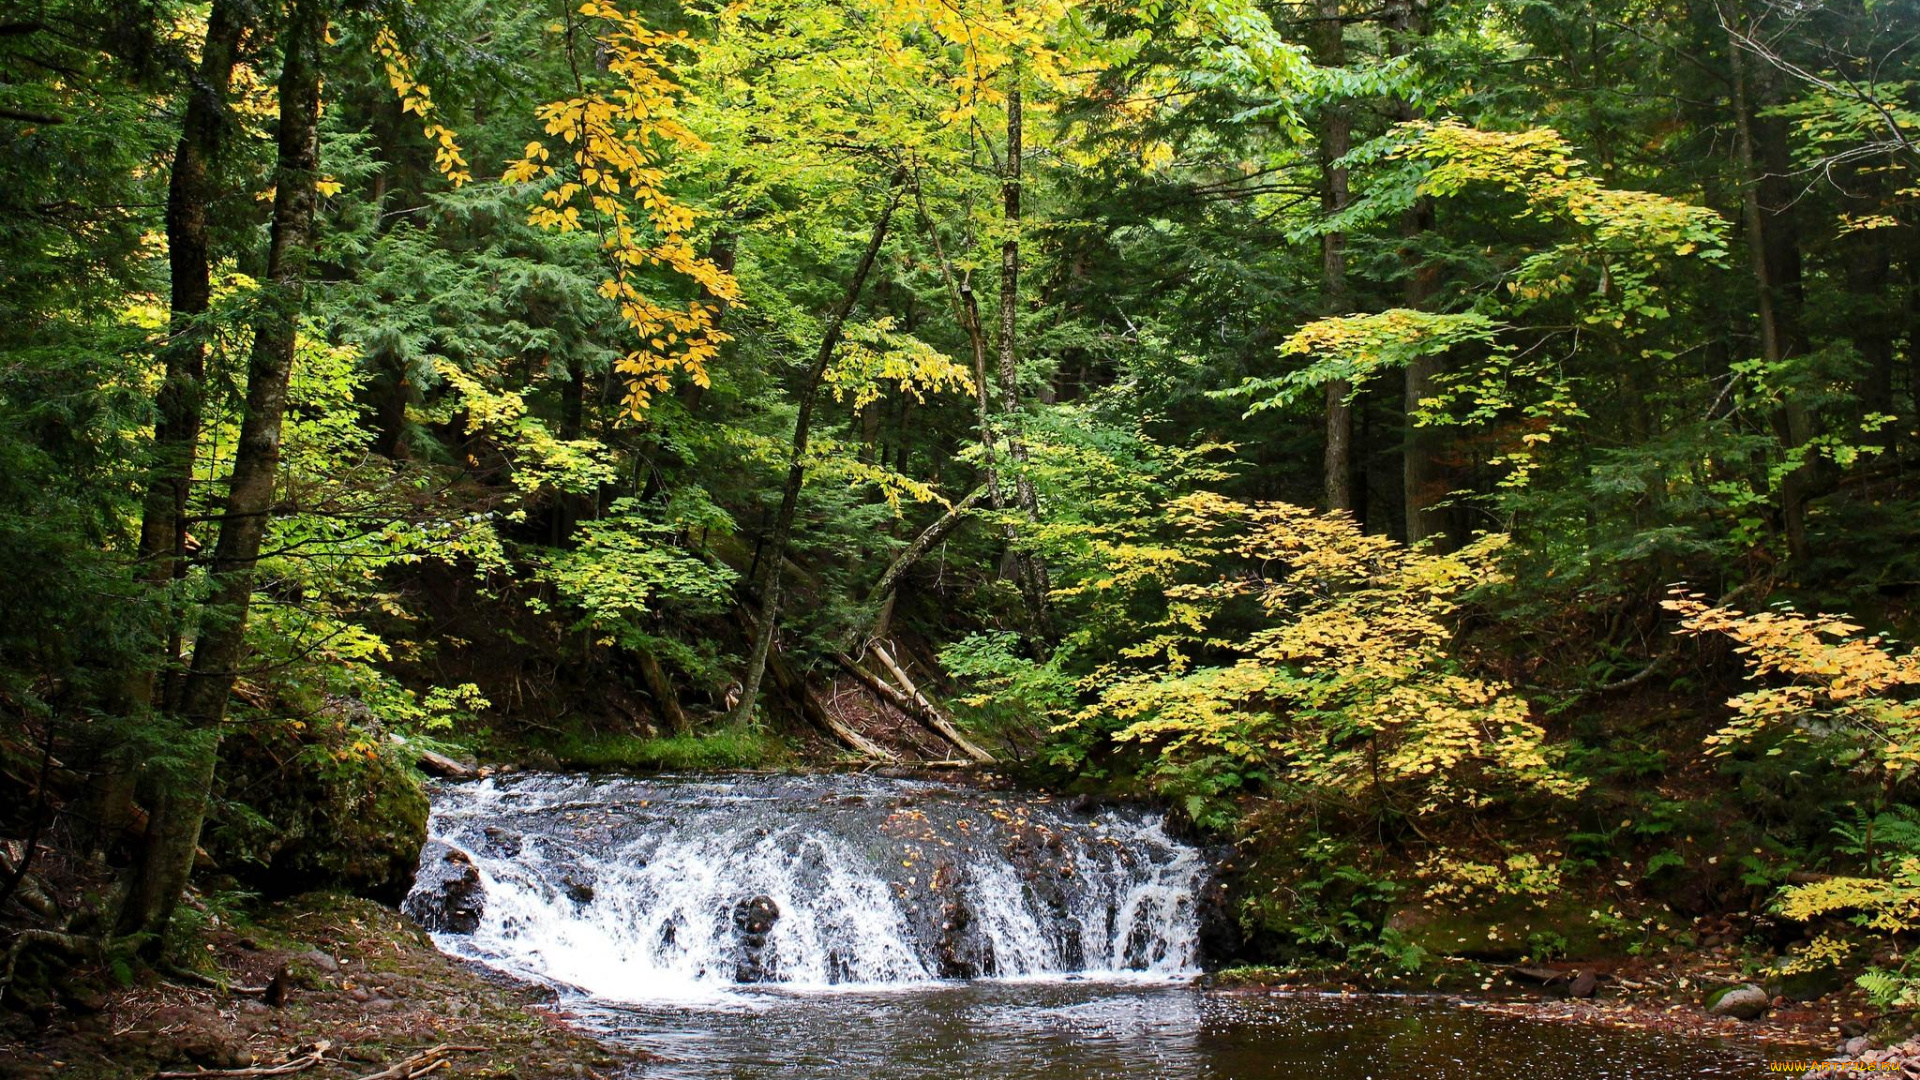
column 1545, row 945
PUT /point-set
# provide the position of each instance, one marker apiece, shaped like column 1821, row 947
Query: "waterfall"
column 632, row 889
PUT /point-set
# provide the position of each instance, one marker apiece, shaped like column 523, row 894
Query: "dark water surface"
column 1094, row 1031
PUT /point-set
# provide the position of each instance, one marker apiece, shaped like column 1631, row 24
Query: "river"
column 753, row 927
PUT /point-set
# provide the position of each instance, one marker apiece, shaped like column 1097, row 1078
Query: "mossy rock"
column 305, row 810
column 1505, row 929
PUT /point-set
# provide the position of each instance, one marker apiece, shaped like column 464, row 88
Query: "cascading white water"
column 665, row 888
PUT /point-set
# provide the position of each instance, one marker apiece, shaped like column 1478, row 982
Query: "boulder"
column 1745, row 1002
column 447, row 896
column 310, row 807
column 1584, row 985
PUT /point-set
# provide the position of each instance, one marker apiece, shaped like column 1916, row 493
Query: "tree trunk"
column 1424, row 483
column 1336, row 139
column 661, row 688
column 173, row 828
column 925, row 542
column 1033, row 576
column 1875, row 316
column 176, row 434
column 966, row 309
column 794, row 685
column 1773, row 253
column 796, row 467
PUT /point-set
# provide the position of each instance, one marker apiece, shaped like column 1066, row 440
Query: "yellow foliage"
column 1517, row 875
column 1352, row 690
column 1822, row 677
column 874, row 354
column 417, row 98
column 612, row 164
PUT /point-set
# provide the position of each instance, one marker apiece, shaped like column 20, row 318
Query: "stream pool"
column 1094, row 1030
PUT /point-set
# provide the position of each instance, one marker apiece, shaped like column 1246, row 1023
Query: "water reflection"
column 1095, row 1030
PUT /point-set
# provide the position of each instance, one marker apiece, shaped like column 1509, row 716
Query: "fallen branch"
column 422, row 1063
column 308, row 1060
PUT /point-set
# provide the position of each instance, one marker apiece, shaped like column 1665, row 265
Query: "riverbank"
column 1669, row 994
column 321, row 986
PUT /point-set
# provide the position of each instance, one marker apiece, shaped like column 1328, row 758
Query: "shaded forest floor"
column 361, row 983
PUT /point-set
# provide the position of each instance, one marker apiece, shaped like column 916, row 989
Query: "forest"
column 1457, row 460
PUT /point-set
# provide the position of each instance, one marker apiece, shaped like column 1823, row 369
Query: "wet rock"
column 1220, row 936
column 754, row 919
column 1856, row 1046
column 1584, row 985
column 578, row 885
column 1741, row 1002
column 502, row 843
column 964, row 952
column 447, row 896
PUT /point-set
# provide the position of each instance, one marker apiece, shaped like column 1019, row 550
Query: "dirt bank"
column 330, row 987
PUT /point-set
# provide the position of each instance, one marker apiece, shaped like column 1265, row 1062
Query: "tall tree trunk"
column 966, row 310
column 1773, row 253
column 1875, row 315
column 1424, row 482
column 173, row 829
column 1033, row 575
column 1336, row 139
column 190, row 190
column 163, row 517
column 776, row 555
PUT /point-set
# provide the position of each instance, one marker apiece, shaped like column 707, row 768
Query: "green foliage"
column 722, row 748
column 625, row 567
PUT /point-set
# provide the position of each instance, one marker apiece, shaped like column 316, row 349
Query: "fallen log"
column 790, row 683
column 933, row 714
column 887, row 693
